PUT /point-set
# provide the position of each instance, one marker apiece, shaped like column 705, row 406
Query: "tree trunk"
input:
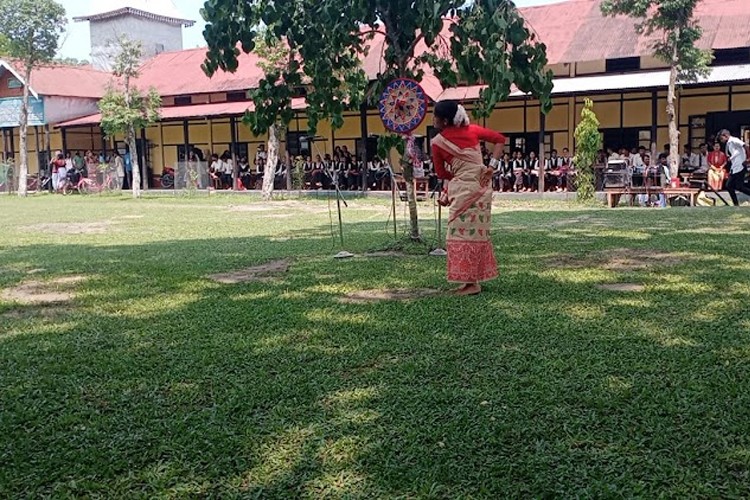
column 674, row 132
column 411, row 197
column 23, row 172
column 289, row 166
column 273, row 160
column 134, row 162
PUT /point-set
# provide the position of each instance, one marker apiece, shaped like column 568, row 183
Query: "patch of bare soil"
column 626, row 259
column 621, row 287
column 71, row 227
column 43, row 292
column 35, row 311
column 391, row 253
column 618, row 259
column 257, row 273
column 379, row 295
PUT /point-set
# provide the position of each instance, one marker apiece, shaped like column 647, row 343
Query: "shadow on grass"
column 161, row 382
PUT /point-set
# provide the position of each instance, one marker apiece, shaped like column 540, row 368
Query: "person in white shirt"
column 737, row 155
column 216, row 170
column 227, row 169
column 612, row 155
column 699, row 160
column 261, row 157
column 638, row 162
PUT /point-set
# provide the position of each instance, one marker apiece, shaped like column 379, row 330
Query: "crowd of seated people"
column 519, row 173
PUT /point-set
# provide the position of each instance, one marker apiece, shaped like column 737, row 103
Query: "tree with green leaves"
column 71, row 61
column 588, row 143
column 678, row 31
column 487, row 43
column 31, row 30
column 303, row 50
column 126, row 109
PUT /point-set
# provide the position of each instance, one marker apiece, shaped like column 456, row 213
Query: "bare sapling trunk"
column 411, row 196
column 273, row 161
column 134, row 162
column 674, row 132
column 24, row 129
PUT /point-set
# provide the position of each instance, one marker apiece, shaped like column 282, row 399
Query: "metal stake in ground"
column 439, row 251
column 343, row 254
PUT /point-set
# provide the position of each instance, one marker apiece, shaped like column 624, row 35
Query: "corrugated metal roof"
column 576, row 30
column 212, row 110
column 607, row 83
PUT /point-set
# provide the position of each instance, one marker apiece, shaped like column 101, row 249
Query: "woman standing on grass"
column 457, row 158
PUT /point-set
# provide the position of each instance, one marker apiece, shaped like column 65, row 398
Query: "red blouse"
column 463, row 137
column 717, row 158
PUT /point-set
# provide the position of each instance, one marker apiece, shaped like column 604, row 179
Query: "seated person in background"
column 280, row 175
column 532, row 172
column 432, row 178
column 506, row 182
column 497, row 175
column 612, row 155
column 307, row 171
column 518, row 165
column 566, row 171
column 699, row 160
column 717, row 173
column 244, row 172
column 215, row 171
column 353, row 174
column 318, row 173
column 339, row 171
column 551, row 171
column 625, row 156
column 685, row 165
column 228, row 171
column 656, row 175
column 637, row 163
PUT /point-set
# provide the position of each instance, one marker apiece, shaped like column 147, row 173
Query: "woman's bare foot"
column 469, row 289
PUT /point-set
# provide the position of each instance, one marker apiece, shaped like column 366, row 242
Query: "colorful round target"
column 403, row 105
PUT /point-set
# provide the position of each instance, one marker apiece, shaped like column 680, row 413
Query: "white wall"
column 155, row 36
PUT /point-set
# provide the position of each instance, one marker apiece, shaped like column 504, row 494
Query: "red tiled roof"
column 180, row 73
column 160, row 72
column 212, row 110
column 576, row 30
column 66, row 81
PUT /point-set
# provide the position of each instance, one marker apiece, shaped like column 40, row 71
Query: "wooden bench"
column 614, row 195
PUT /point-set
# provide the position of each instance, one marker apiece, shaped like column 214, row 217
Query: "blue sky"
column 75, row 42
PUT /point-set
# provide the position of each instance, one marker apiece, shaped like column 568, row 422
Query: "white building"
column 156, row 23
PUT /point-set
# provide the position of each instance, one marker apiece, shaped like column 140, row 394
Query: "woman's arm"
column 439, row 159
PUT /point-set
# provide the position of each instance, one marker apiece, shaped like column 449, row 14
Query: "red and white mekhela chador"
column 471, row 258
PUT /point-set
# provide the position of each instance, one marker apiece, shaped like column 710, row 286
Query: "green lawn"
column 154, row 381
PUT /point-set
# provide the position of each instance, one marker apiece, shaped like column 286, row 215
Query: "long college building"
column 591, row 56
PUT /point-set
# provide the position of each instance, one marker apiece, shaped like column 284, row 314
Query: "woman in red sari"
column 717, row 173
column 457, row 158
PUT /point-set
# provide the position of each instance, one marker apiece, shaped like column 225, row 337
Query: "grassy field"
column 152, row 380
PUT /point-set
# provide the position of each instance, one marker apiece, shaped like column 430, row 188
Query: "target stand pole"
column 343, row 254
column 393, row 203
column 439, row 251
